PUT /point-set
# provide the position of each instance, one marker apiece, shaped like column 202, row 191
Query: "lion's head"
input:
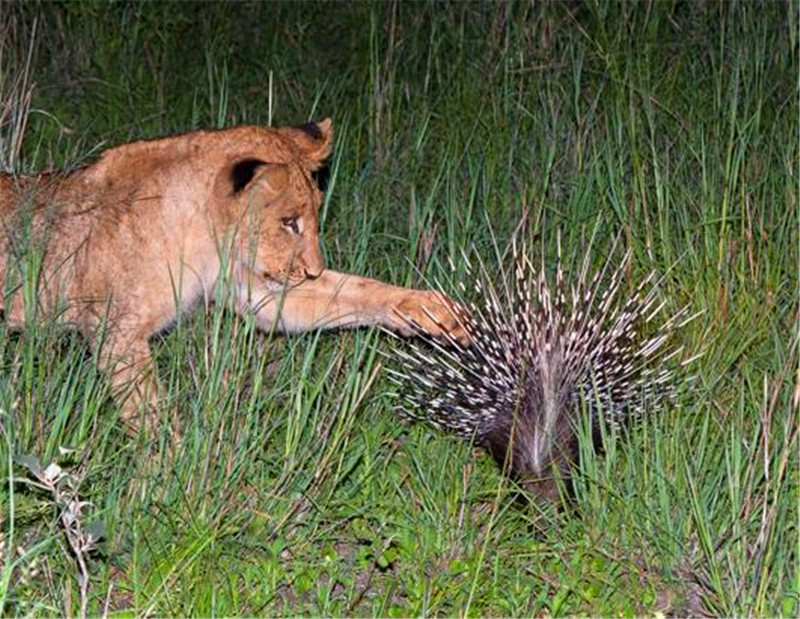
column 254, row 184
column 273, row 201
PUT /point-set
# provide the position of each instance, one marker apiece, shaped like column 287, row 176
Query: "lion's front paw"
column 431, row 312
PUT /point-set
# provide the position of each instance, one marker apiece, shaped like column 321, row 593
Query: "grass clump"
column 297, row 491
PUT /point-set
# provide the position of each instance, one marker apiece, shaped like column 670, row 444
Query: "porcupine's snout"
column 536, row 460
column 537, row 443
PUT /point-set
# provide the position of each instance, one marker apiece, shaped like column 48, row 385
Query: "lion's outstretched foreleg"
column 335, row 299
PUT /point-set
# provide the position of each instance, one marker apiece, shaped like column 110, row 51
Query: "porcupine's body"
column 541, row 355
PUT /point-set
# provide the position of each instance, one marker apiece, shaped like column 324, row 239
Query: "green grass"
column 297, row 490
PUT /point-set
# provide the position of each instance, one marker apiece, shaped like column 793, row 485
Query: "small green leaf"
column 96, row 530
column 788, row 606
column 31, row 463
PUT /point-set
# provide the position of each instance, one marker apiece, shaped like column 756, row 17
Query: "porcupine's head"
column 541, row 354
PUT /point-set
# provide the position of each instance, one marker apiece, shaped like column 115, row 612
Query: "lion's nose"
column 314, row 263
column 313, row 272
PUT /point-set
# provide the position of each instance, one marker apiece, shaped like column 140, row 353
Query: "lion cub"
column 131, row 240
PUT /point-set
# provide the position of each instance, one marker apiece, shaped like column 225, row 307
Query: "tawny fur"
column 142, row 234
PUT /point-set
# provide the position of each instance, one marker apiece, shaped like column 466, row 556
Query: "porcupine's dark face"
column 535, row 440
column 538, row 478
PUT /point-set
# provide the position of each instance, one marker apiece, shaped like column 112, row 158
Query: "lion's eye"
column 291, row 223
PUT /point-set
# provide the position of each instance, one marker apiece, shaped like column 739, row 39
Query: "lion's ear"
column 315, row 141
column 267, row 179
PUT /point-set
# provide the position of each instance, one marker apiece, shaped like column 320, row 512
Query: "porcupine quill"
column 540, row 354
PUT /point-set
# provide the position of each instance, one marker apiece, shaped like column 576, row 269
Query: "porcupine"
column 539, row 356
